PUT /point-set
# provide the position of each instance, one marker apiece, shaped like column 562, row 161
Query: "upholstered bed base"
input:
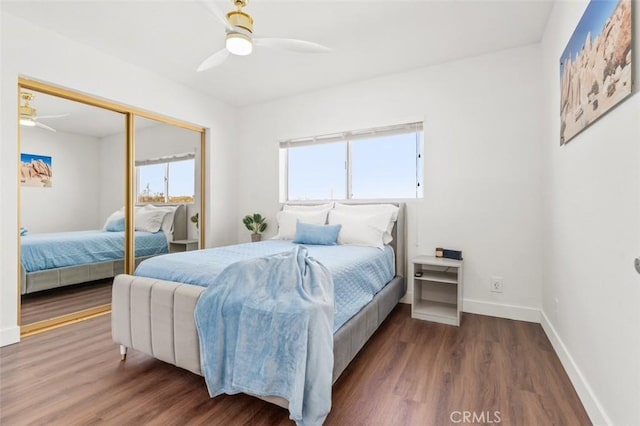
column 162, row 324
column 32, row 282
column 60, row 277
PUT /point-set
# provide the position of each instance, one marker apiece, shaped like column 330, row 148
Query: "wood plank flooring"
column 53, row 303
column 410, row 373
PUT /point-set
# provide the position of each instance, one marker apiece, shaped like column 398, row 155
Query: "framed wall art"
column 595, row 67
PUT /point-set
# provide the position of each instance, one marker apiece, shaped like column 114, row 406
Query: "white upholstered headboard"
column 180, row 222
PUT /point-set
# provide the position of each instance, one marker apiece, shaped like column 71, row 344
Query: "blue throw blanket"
column 266, row 328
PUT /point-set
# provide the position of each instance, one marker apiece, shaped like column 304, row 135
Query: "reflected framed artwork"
column 36, row 170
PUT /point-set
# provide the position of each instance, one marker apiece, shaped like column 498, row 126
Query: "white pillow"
column 372, row 209
column 287, row 221
column 118, row 214
column 149, row 220
column 308, row 208
column 360, row 230
column 167, row 222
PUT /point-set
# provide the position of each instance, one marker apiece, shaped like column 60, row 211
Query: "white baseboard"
column 9, row 336
column 514, row 312
column 500, row 310
column 591, row 404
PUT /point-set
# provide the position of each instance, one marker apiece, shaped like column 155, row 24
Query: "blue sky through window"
column 182, row 178
column 318, row 172
column 151, row 178
column 382, row 167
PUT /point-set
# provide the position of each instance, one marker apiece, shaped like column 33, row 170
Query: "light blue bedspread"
column 288, row 297
column 359, row 273
column 57, row 250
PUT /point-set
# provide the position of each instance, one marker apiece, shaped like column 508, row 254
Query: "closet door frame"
column 130, row 114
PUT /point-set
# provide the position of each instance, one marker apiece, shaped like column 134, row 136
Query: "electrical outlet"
column 497, row 284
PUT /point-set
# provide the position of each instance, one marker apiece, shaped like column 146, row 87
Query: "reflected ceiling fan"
column 28, row 115
column 239, row 37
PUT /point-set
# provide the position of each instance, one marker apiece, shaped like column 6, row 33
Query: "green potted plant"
column 195, row 219
column 256, row 224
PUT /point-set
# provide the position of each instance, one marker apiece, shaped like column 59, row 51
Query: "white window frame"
column 348, row 138
column 166, row 161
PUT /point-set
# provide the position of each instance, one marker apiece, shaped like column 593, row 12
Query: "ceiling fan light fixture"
column 27, row 112
column 239, row 44
column 27, row 121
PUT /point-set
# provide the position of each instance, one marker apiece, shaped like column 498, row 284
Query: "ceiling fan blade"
column 52, row 116
column 222, row 17
column 44, row 126
column 300, row 46
column 214, row 60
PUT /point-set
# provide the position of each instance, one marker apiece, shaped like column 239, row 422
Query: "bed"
column 54, row 260
column 155, row 314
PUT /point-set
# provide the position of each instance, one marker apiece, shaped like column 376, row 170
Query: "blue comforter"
column 288, row 297
column 359, row 273
column 57, row 250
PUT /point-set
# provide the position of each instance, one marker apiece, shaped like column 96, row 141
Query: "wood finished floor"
column 65, row 300
column 410, row 373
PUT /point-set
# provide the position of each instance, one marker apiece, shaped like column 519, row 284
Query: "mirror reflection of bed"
column 63, row 198
column 72, row 211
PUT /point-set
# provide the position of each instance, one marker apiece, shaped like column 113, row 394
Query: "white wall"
column 71, row 204
column 164, row 140
column 30, row 51
column 592, row 234
column 112, row 174
column 482, row 163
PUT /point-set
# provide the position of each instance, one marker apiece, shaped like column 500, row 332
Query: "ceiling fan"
column 239, row 38
column 28, row 115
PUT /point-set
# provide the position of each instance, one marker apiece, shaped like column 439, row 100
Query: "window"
column 166, row 180
column 316, row 172
column 151, row 183
column 366, row 164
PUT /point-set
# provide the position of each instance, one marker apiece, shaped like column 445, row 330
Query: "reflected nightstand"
column 177, row 246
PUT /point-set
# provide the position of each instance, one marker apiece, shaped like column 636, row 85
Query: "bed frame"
column 157, row 317
column 32, row 282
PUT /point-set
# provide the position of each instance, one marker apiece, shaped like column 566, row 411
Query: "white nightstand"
column 182, row 245
column 437, row 293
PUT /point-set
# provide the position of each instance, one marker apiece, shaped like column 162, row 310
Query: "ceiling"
column 368, row 38
column 81, row 119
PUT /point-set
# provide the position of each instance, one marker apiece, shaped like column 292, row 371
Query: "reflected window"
column 170, row 181
column 151, row 183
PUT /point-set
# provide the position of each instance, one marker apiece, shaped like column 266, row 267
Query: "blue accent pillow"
column 324, row 235
column 116, row 225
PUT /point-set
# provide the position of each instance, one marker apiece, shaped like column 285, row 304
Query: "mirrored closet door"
column 72, row 198
column 168, row 180
column 102, row 186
